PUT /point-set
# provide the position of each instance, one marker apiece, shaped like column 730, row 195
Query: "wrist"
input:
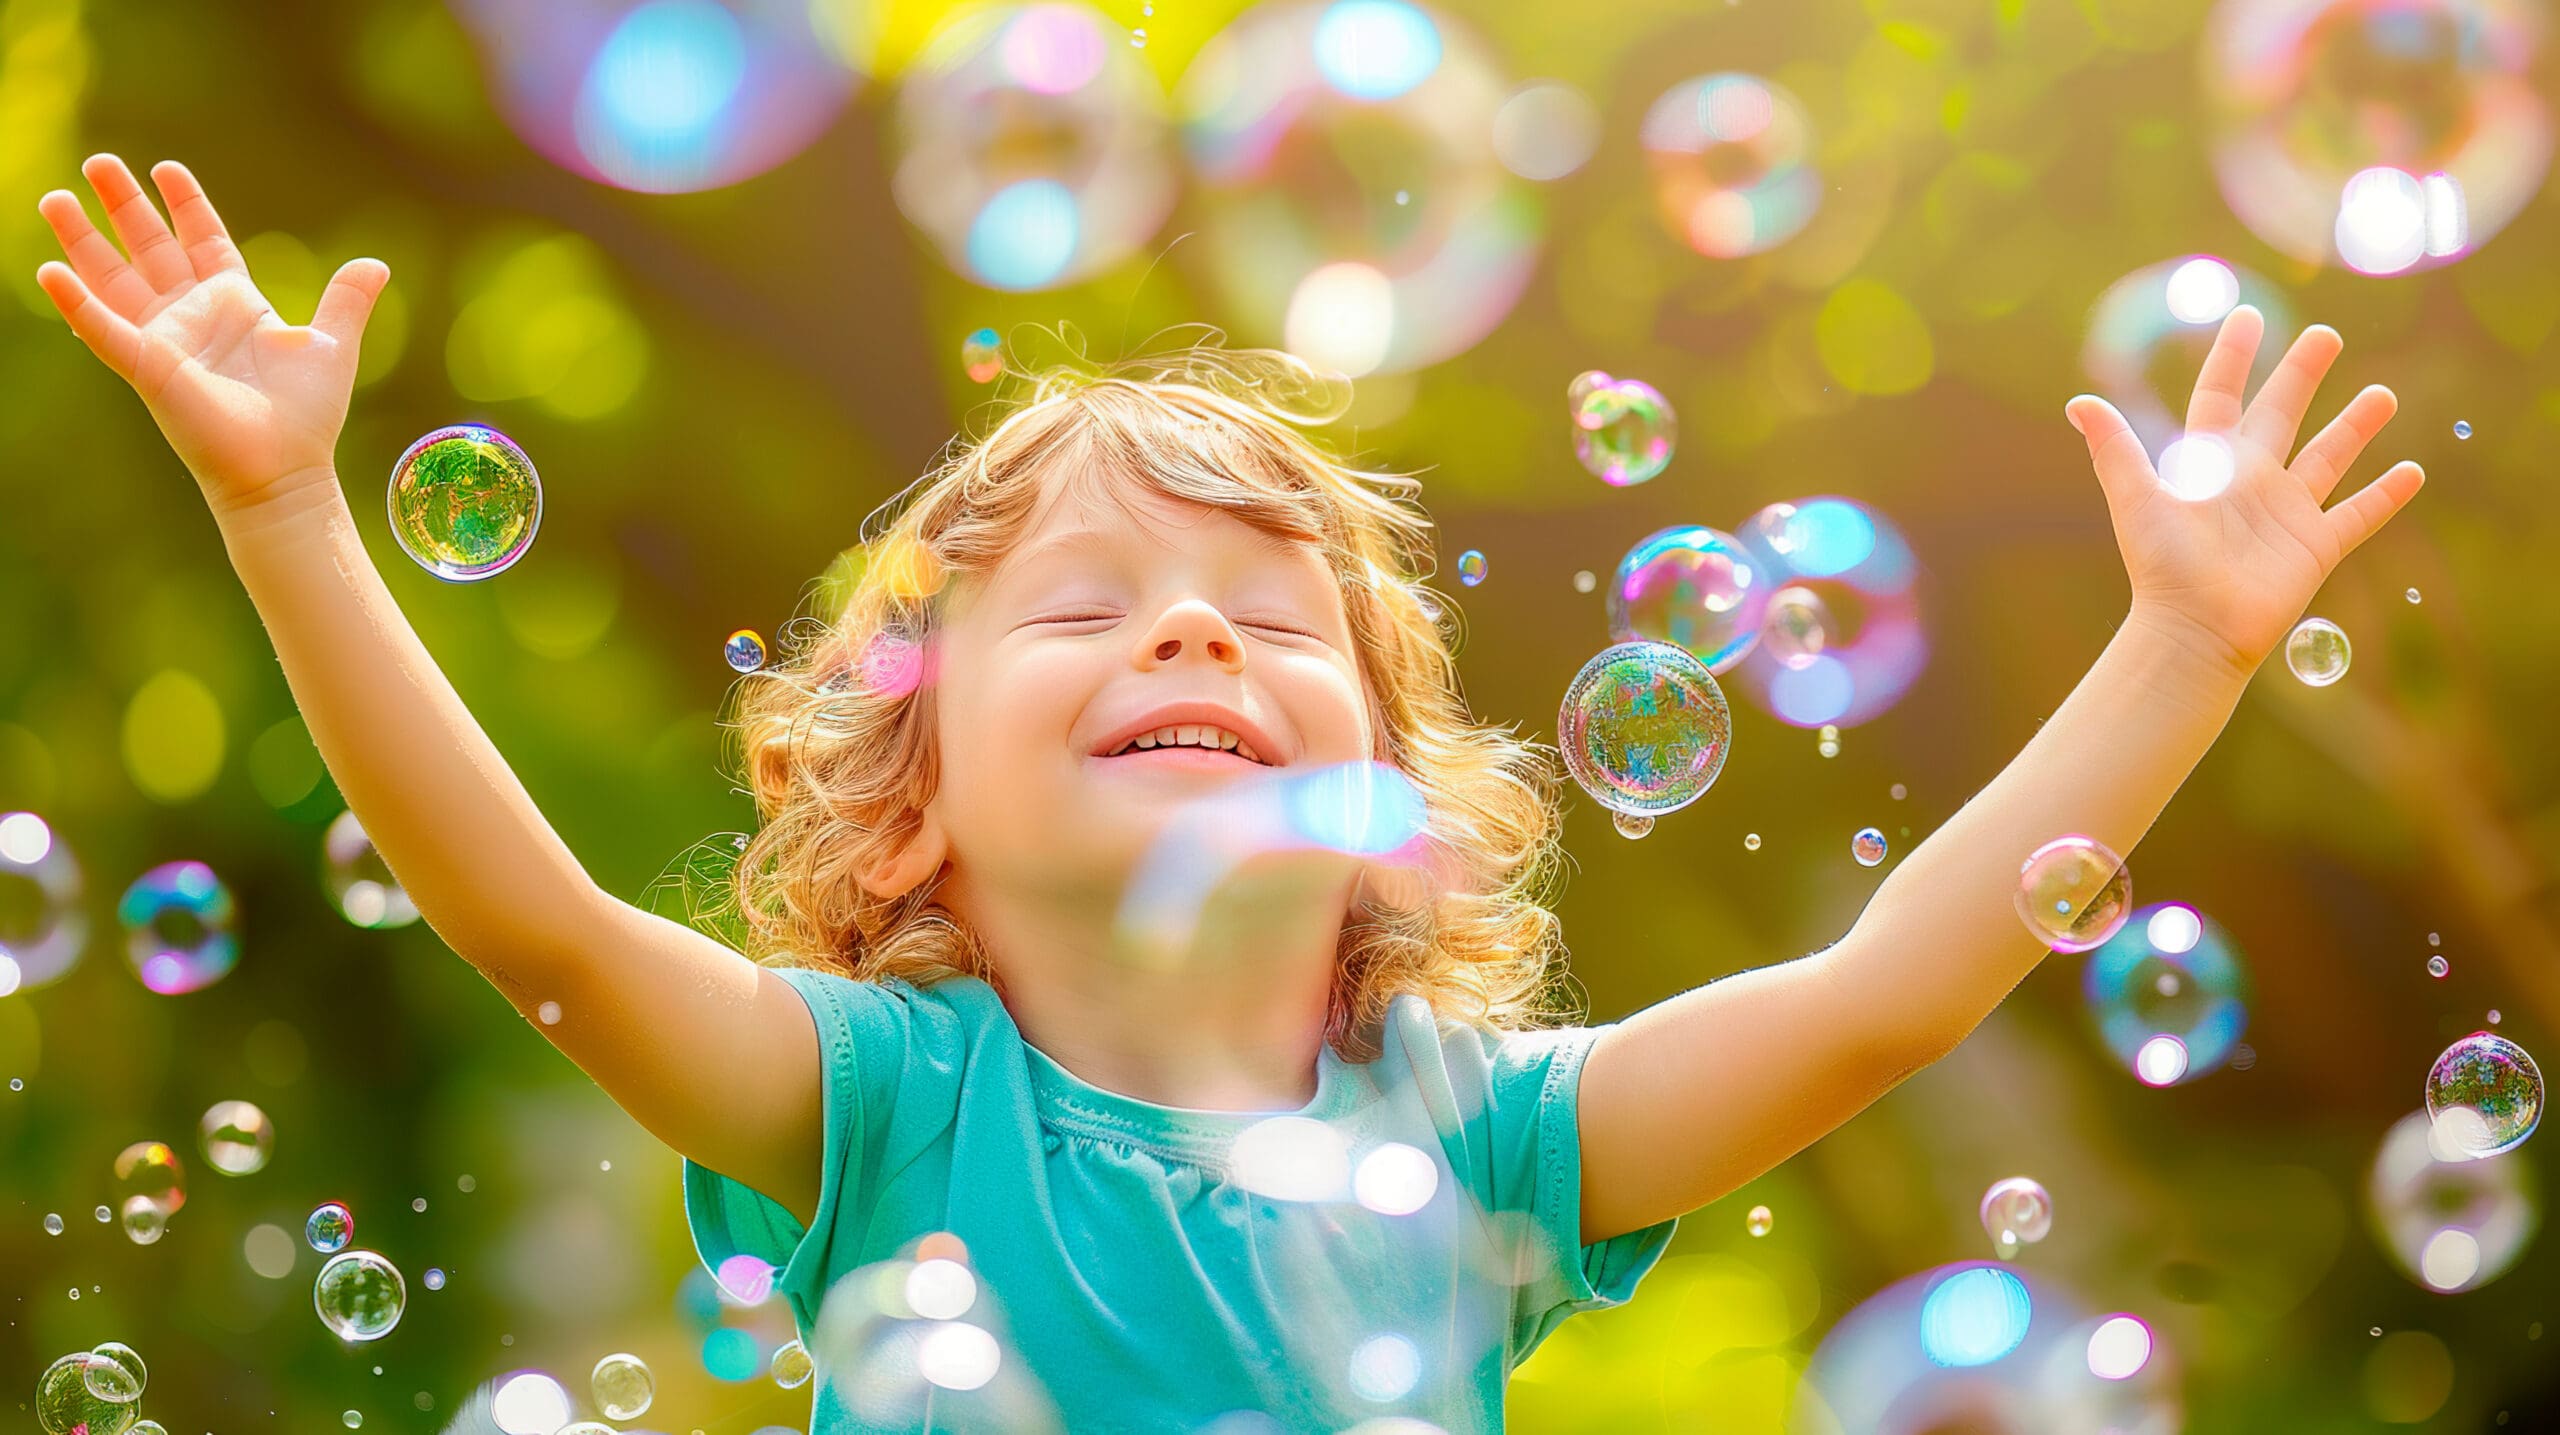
column 302, row 502
column 2184, row 650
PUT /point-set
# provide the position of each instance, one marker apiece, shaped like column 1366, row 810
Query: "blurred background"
column 722, row 270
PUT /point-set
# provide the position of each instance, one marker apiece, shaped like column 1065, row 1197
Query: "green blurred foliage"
column 719, row 386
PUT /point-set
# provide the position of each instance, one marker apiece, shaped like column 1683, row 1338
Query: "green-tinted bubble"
column 623, row 1386
column 465, row 502
column 238, row 1139
column 359, row 1295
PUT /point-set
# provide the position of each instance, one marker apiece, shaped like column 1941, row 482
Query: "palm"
column 251, row 403
column 2225, row 533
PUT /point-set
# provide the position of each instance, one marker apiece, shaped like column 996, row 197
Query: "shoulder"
column 1468, row 1056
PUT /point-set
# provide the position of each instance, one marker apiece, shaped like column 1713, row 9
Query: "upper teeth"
column 1191, row 735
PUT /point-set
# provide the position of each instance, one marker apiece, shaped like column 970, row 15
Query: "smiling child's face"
column 1124, row 657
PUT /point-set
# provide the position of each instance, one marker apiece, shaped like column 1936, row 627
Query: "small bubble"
column 1584, row 580
column 1138, row 39
column 1759, row 1222
column 53, row 1223
column 2413, row 595
column 2435, row 939
column 1827, row 748
column 1867, row 846
column 2376, row 1332
column 419, row 1204
column 15, row 1084
column 353, row 1419
column 1900, row 792
column 604, row 1165
column 2493, row 1016
column 465, row 1184
column 2437, row 966
column 1403, row 197
column 435, row 1279
column 75, row 1292
column 549, row 1012
column 2462, row 428
column 1631, row 825
column 1471, row 567
column 1750, row 841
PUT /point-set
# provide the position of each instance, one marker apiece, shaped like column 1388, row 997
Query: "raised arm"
column 1698, row 1094
column 713, row 1054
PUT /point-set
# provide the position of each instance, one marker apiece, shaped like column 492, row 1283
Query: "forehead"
column 1086, row 506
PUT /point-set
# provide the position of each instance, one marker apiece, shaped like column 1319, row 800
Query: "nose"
column 1190, row 630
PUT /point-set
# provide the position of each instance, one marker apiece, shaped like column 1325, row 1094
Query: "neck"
column 1232, row 1022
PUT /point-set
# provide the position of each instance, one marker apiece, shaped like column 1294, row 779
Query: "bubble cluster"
column 623, row 1386
column 1471, row 567
column 1836, row 571
column 744, row 650
column 177, row 921
column 2074, row 893
column 2318, row 652
column 330, row 1227
column 2168, row 993
column 982, row 356
column 66, row 1405
column 1644, row 728
column 2484, row 1095
column 1623, row 430
column 43, row 928
column 1867, row 846
column 1731, row 159
column 1691, row 586
column 359, row 1295
column 465, row 502
column 359, row 880
column 2016, row 1212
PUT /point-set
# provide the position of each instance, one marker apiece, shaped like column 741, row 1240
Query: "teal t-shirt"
column 1138, row 1268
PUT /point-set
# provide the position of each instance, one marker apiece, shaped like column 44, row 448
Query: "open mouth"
column 1206, row 737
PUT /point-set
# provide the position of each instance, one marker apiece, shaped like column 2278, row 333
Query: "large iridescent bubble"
column 1623, row 429
column 65, row 1404
column 668, row 96
column 1693, row 586
column 2073, row 893
column 42, row 926
column 2150, row 330
column 1644, row 728
column 465, row 502
column 2390, row 135
column 2448, row 1221
column 1731, row 156
column 1032, row 146
column 2168, row 993
column 177, row 921
column 1352, row 205
column 1845, row 566
column 2485, row 1095
column 1976, row 1346
column 359, row 1295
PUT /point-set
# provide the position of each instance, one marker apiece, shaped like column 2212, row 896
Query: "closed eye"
column 1083, row 616
column 1269, row 625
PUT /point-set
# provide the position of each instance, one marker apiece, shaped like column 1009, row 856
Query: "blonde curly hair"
column 836, row 735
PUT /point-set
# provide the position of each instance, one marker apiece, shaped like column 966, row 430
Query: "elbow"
column 1890, row 1036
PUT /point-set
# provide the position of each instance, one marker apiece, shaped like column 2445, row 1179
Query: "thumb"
column 348, row 302
column 2124, row 470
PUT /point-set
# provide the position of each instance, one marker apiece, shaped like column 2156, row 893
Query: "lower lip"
column 1186, row 759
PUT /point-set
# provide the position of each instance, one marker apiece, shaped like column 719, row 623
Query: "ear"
column 903, row 870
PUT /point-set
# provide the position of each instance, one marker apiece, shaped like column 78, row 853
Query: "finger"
column 2275, row 418
column 2334, row 449
column 94, row 257
column 138, row 224
column 208, row 245
column 2360, row 517
column 2215, row 407
column 116, row 342
column 2124, row 470
column 348, row 301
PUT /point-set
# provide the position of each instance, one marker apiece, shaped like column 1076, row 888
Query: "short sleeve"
column 865, row 1035
column 1534, row 1091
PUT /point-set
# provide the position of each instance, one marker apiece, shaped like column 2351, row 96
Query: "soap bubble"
column 1974, row 1317
column 1584, row 580
column 791, row 1365
column 2074, row 893
column 744, row 650
column 2411, row 595
column 465, row 502
column 2150, row 331
column 359, row 1295
column 1644, row 728
column 2119, row 1348
column 359, row 880
column 1303, row 122
column 1631, row 826
column 1692, row 586
column 1750, row 841
column 2382, row 135
column 2448, row 1222
column 529, row 1402
column 623, row 1387
column 982, row 356
column 1855, row 560
column 2169, row 1013
column 2016, row 1212
column 330, row 1228
column 1759, row 1222
column 144, row 1222
column 115, row 1373
column 149, row 1171
column 2487, row 1092
column 2437, row 966
column 147, row 1427
column 1471, row 567
column 53, row 1223
column 2462, row 428
column 1623, row 432
column 1731, row 159
column 1797, row 627
column 65, row 1405
column 1867, row 846
column 43, row 928
column 2318, row 652
column 177, row 921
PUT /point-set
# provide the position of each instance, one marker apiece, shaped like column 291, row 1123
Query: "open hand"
column 251, row 403
column 2226, row 542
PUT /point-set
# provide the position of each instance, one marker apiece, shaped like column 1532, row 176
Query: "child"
column 1142, row 590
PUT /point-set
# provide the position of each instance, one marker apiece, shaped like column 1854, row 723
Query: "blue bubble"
column 1376, row 49
column 1974, row 1317
column 730, row 1354
column 1025, row 236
